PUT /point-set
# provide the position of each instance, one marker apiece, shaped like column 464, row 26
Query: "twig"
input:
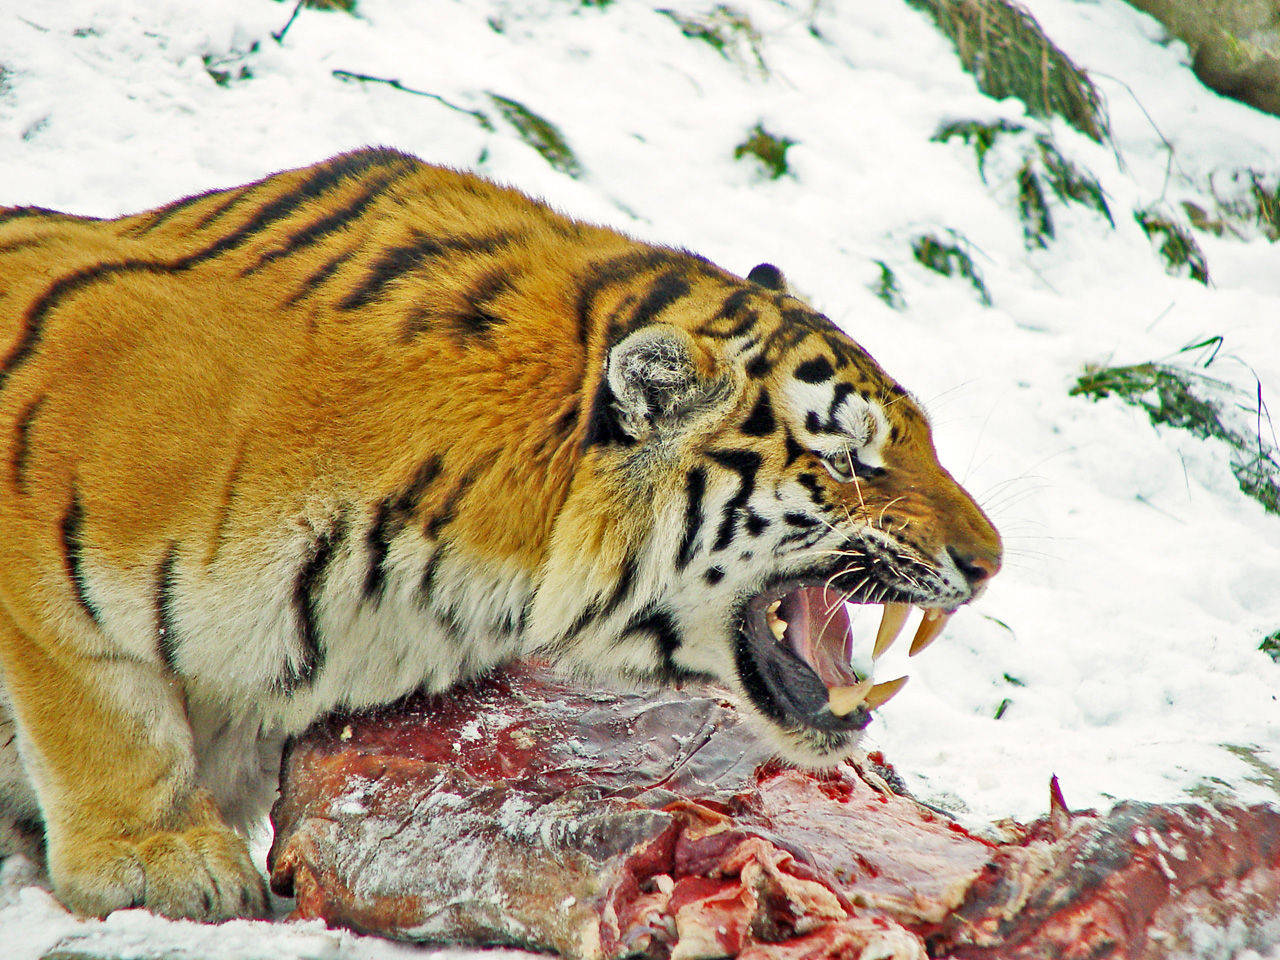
column 394, row 84
column 279, row 37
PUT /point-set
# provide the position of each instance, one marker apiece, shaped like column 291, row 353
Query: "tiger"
column 374, row 425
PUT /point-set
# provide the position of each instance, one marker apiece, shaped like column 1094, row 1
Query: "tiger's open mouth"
column 796, row 653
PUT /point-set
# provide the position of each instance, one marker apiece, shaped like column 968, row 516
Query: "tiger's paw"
column 202, row 873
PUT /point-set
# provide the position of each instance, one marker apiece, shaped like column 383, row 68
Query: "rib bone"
column 895, row 615
column 930, row 627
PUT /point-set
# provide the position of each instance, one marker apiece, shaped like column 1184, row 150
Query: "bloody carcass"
column 528, row 811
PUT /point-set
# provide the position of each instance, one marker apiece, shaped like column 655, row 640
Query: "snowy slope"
column 1124, row 631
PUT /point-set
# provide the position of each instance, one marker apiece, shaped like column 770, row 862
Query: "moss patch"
column 950, row 258
column 1178, row 247
column 1009, row 55
column 1270, row 645
column 886, row 287
column 768, row 148
column 726, row 30
column 1176, row 396
column 540, row 133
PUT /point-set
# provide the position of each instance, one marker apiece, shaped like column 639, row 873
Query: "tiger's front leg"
column 106, row 743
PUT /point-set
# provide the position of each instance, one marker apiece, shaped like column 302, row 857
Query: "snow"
column 1139, row 580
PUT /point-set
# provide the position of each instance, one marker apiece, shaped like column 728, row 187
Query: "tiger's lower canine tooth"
column 842, row 701
column 882, row 693
column 895, row 615
column 930, row 628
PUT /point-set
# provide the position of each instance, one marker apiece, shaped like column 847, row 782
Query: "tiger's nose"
column 977, row 568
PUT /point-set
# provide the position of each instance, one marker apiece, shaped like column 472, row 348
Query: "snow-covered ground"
column 1140, row 581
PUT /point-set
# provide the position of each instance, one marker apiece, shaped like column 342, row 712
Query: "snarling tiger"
column 374, row 425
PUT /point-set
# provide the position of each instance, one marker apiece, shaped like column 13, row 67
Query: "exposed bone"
column 842, row 701
column 882, row 693
column 930, row 627
column 895, row 615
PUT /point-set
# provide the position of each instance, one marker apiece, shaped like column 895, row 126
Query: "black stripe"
column 624, row 585
column 745, row 463
column 307, row 588
column 397, row 261
column 429, row 572
column 21, row 213
column 477, row 319
column 759, row 365
column 234, row 196
column 166, row 631
column 64, row 286
column 331, row 222
column 797, row 519
column 714, row 575
column 22, row 443
column 72, row 554
column 810, row 483
column 566, row 423
column 732, row 310
column 606, row 273
column 167, row 212
column 761, row 422
column 448, row 510
column 794, row 450
column 661, row 624
column 755, row 524
column 817, row 370
column 695, row 488
column 391, row 517
column 378, row 540
column 662, row 293
column 319, row 180
column 320, row 276
column 26, row 243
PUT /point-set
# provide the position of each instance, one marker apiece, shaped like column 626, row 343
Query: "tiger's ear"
column 654, row 380
column 769, row 277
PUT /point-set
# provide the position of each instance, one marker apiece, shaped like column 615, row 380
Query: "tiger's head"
column 747, row 470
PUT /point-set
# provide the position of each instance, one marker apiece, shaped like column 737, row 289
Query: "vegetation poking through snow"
column 1010, row 55
column 726, row 30
column 979, row 135
column 1254, row 207
column 768, row 148
column 1176, row 245
column 886, row 287
column 229, row 67
column 950, row 259
column 1188, row 399
column 344, row 6
column 540, row 134
column 1043, row 170
column 1271, row 646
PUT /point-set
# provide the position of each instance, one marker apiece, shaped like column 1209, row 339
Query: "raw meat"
column 528, row 811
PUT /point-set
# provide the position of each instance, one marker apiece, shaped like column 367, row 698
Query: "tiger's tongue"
column 819, row 630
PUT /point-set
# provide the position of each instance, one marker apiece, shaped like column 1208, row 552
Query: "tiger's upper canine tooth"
column 842, row 701
column 930, row 627
column 895, row 615
column 882, row 693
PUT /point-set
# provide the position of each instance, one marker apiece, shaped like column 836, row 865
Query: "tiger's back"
column 372, row 424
